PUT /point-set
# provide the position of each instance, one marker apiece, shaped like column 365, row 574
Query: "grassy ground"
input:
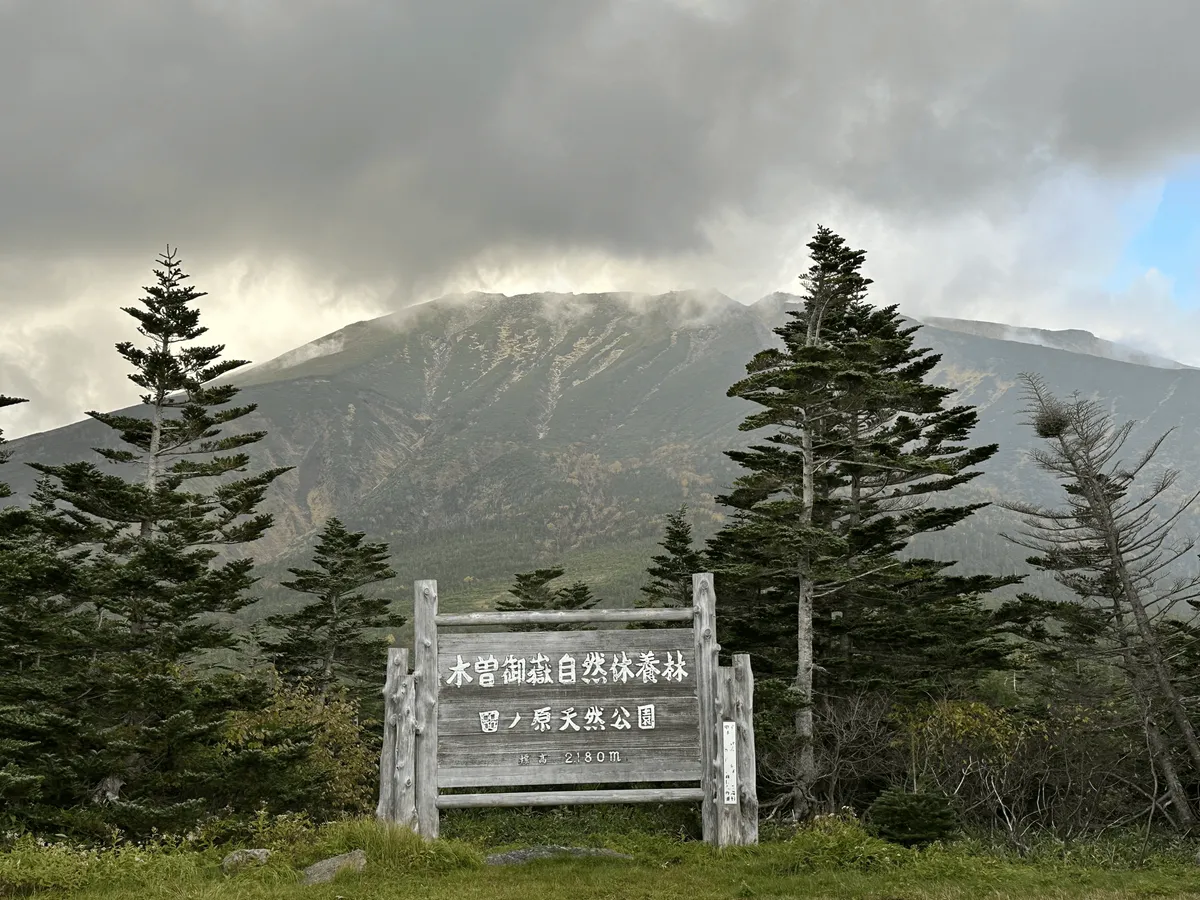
column 835, row 860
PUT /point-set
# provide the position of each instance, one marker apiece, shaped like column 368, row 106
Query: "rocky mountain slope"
column 1070, row 339
column 483, row 435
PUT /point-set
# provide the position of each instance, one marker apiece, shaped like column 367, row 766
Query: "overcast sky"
column 1026, row 161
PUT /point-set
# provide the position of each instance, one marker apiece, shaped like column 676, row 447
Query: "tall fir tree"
column 531, row 591
column 45, row 630
column 835, row 494
column 328, row 642
column 670, row 583
column 153, row 721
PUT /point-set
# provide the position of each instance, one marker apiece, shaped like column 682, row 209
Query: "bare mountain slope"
column 483, row 435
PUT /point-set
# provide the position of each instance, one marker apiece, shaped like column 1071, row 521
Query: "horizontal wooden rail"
column 558, row 798
column 561, row 616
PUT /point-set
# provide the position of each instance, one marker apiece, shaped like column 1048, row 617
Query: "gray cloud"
column 409, row 143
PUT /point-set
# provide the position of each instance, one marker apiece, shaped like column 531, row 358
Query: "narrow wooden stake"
column 747, row 772
column 704, row 606
column 729, row 809
column 404, row 796
column 397, row 667
column 425, row 675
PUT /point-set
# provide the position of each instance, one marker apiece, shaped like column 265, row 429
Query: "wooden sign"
column 582, row 707
column 540, row 709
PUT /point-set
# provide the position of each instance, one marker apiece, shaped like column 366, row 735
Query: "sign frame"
column 410, row 780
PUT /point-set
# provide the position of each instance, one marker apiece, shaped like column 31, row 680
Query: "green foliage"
column 327, row 641
column 858, row 443
column 391, row 847
column 582, row 826
column 31, row 865
column 840, row 842
column 303, row 751
column 531, row 591
column 671, row 573
column 912, row 819
column 132, row 723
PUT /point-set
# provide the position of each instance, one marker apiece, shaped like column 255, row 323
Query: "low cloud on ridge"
column 319, row 163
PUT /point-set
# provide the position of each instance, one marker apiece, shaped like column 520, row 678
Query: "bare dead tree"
column 1110, row 547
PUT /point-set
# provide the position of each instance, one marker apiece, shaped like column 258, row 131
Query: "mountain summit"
column 483, row 435
column 1072, row 340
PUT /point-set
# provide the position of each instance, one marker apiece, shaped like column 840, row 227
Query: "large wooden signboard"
column 506, row 709
column 578, row 707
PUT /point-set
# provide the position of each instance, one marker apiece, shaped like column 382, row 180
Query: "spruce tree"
column 153, row 721
column 671, row 574
column 531, row 591
column 327, row 642
column 44, row 632
column 836, row 493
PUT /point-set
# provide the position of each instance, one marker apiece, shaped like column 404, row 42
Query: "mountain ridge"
column 482, row 435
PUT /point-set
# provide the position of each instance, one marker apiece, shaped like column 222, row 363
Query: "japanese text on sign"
column 644, row 667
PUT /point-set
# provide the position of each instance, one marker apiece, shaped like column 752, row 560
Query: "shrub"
column 308, row 753
column 841, row 842
column 912, row 819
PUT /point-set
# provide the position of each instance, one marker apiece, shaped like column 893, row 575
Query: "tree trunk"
column 1158, row 664
column 155, row 446
column 1160, row 753
column 806, row 770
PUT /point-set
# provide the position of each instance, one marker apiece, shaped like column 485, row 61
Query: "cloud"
column 349, row 157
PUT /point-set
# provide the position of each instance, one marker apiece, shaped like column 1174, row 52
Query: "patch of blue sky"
column 1169, row 241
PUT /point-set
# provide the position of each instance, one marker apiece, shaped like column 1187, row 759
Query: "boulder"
column 323, row 871
column 240, row 859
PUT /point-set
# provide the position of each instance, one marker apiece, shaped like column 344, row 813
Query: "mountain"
column 1071, row 339
column 483, row 435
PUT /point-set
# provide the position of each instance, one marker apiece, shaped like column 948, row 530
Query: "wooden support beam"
column 566, row 616
column 704, row 603
column 747, row 771
column 404, row 794
column 739, row 819
column 561, row 798
column 397, row 668
column 425, row 675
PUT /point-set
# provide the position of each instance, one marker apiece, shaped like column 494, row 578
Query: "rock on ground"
column 240, row 859
column 323, row 871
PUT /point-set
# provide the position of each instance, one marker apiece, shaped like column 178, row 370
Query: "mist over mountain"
column 1072, row 339
column 483, row 435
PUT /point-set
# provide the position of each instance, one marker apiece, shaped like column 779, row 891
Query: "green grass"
column 834, row 860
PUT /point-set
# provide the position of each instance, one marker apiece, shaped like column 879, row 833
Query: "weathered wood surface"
column 560, row 798
column 529, row 643
column 404, row 796
column 666, row 750
column 638, row 771
column 728, row 814
column 743, row 714
column 392, row 753
column 425, row 674
column 704, row 602
column 397, row 667
column 564, row 616
column 672, row 716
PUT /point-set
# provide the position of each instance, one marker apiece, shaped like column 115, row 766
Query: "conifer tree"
column 160, row 598
column 43, row 634
column 531, row 591
column 671, row 573
column 327, row 641
column 1117, row 552
column 837, row 491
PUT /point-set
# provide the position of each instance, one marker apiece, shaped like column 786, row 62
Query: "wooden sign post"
column 545, row 709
